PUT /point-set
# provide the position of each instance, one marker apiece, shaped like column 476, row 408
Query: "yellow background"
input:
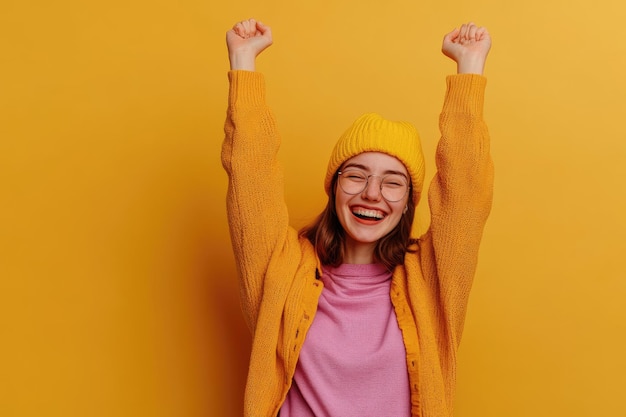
column 117, row 292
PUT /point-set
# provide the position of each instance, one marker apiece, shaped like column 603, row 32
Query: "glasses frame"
column 367, row 181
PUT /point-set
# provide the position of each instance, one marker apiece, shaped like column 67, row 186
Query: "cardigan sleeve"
column 257, row 213
column 460, row 199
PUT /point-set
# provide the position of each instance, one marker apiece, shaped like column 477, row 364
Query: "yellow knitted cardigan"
column 279, row 272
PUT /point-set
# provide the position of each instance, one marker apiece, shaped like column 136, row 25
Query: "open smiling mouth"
column 365, row 214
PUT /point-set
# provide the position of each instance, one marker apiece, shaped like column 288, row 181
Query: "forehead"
column 376, row 163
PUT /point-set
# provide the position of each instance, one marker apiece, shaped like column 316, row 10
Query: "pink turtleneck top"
column 353, row 361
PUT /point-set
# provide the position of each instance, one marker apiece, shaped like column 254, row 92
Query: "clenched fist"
column 468, row 46
column 245, row 41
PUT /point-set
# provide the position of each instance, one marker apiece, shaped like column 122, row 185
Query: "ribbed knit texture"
column 278, row 271
column 373, row 133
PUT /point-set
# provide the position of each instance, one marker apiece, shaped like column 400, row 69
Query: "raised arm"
column 460, row 194
column 245, row 41
column 264, row 244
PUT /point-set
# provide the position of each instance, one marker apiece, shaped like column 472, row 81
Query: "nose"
column 372, row 190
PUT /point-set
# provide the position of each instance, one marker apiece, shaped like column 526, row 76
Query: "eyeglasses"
column 393, row 187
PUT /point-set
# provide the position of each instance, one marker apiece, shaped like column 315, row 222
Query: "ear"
column 405, row 209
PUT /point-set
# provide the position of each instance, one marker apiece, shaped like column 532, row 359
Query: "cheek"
column 396, row 220
column 398, row 212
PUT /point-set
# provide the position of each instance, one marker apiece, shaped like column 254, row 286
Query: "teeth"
column 375, row 214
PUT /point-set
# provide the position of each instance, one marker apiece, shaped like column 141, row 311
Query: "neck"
column 358, row 253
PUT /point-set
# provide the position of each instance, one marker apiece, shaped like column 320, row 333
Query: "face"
column 366, row 217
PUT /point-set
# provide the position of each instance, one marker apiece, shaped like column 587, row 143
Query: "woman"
column 351, row 316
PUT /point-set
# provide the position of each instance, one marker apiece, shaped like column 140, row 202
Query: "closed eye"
column 354, row 175
column 394, row 181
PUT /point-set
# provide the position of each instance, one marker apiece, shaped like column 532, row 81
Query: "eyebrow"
column 364, row 168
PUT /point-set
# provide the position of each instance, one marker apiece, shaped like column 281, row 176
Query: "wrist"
column 471, row 66
column 242, row 61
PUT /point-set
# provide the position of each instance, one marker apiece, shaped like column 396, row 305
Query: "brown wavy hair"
column 328, row 236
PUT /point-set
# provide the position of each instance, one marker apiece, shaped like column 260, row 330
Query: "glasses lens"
column 394, row 187
column 352, row 182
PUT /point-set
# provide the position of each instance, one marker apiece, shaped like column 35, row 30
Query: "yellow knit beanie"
column 372, row 133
